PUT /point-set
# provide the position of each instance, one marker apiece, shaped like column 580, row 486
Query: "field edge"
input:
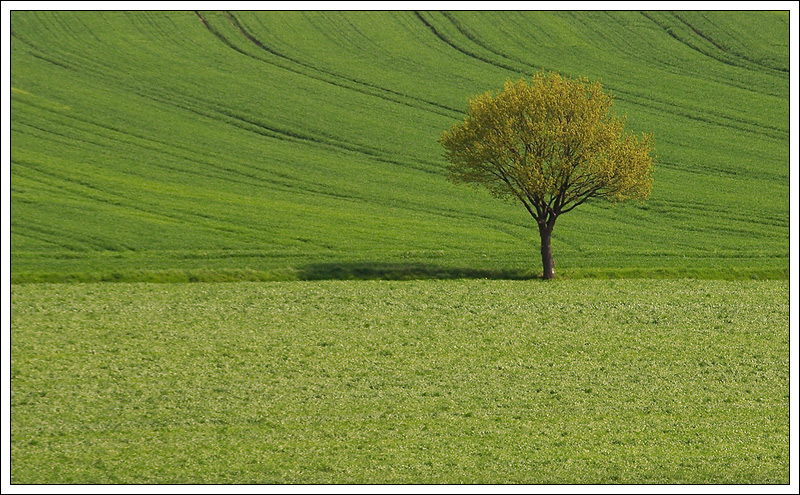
column 387, row 271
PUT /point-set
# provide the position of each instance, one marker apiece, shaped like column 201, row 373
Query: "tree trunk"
column 548, row 267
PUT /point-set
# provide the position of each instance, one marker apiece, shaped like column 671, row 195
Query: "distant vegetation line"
column 389, row 272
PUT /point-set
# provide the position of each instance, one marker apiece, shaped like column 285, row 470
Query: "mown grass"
column 269, row 141
column 462, row 381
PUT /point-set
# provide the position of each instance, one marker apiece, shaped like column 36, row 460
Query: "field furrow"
column 314, row 134
column 309, row 70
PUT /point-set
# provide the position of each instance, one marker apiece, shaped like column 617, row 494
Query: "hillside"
column 145, row 144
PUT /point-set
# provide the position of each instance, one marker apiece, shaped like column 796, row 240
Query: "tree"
column 553, row 145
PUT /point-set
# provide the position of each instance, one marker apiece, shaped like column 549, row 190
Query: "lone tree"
column 552, row 144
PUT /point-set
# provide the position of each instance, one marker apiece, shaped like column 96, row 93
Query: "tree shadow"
column 405, row 271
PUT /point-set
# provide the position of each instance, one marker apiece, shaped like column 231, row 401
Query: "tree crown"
column 553, row 144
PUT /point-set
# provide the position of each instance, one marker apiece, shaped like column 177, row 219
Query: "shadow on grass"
column 389, row 271
column 404, row 271
column 318, row 271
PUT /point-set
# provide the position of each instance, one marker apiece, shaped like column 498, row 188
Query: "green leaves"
column 553, row 144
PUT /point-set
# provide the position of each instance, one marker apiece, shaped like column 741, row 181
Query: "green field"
column 296, row 154
column 162, row 146
column 462, row 381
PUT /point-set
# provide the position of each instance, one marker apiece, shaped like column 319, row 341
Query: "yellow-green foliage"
column 553, row 144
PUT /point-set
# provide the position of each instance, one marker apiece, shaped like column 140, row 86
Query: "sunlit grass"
column 269, row 141
column 401, row 382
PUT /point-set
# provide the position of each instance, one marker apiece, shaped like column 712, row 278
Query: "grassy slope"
column 466, row 381
column 305, row 143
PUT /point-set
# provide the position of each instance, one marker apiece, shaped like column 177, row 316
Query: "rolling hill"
column 166, row 145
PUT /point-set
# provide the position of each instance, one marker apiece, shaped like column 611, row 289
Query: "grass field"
column 263, row 145
column 581, row 381
column 279, row 150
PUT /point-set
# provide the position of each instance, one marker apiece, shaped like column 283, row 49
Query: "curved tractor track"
column 264, row 140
